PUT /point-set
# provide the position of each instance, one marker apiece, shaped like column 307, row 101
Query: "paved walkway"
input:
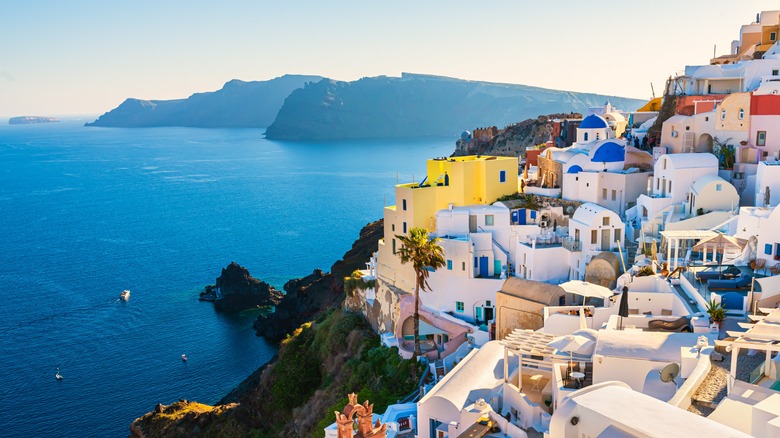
column 713, row 389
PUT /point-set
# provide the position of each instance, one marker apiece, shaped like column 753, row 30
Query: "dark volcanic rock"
column 239, row 290
column 306, row 298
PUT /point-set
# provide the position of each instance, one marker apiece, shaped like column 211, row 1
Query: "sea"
column 86, row 213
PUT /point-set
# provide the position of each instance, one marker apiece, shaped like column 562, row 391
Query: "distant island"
column 416, row 105
column 295, row 107
column 238, row 104
column 26, row 120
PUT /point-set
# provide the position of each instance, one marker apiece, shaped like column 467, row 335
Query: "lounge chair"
column 740, row 282
column 678, row 325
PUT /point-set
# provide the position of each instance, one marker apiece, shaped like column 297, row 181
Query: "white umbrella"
column 585, row 289
column 573, row 344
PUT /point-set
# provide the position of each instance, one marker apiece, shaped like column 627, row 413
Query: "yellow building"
column 459, row 181
column 733, row 113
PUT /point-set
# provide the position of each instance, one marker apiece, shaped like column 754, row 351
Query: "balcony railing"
column 572, row 245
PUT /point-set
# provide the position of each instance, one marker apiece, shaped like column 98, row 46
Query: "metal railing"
column 572, row 245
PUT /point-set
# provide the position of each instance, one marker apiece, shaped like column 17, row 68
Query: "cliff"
column 417, row 106
column 513, row 140
column 25, row 120
column 238, row 291
column 305, row 298
column 238, row 104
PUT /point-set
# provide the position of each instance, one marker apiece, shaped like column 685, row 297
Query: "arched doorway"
column 704, row 144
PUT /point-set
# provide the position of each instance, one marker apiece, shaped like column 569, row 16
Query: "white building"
column 612, row 409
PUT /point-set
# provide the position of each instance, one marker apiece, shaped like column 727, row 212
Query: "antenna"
column 670, row 372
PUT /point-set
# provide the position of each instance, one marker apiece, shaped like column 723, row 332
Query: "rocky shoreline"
column 235, row 290
column 254, row 405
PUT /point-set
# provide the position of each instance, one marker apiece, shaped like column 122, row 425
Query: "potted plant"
column 717, row 312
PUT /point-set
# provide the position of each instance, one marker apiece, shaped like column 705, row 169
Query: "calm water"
column 88, row 212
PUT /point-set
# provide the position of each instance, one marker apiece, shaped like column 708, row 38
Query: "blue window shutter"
column 768, row 249
column 502, row 176
column 404, row 227
column 449, row 265
column 404, row 204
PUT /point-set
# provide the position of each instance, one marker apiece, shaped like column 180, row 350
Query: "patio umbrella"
column 573, row 344
column 585, row 289
column 720, row 243
column 623, row 306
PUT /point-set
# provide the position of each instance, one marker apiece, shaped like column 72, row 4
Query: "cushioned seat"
column 733, row 283
column 678, row 325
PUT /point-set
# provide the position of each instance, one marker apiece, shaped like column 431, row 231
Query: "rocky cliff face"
column 238, row 104
column 513, row 140
column 240, row 291
column 307, row 297
column 417, row 106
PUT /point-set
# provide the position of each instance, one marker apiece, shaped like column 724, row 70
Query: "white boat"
column 184, row 358
column 125, row 295
column 58, row 376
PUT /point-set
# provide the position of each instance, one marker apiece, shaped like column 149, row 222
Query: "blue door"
column 483, row 267
column 521, row 217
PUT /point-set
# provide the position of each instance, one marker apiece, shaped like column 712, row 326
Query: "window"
column 463, row 266
column 487, row 303
column 605, row 221
column 664, row 163
column 741, row 114
column 593, row 236
column 604, row 193
column 489, row 220
column 404, row 204
column 502, row 176
column 718, row 187
column 772, row 36
column 404, row 227
column 670, row 186
column 768, row 249
column 585, row 137
column 449, row 265
column 614, row 195
column 459, row 306
column 723, row 114
column 775, row 72
column 393, row 246
column 761, row 138
column 617, row 235
column 393, row 226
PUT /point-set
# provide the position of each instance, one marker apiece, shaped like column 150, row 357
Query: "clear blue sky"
column 86, row 57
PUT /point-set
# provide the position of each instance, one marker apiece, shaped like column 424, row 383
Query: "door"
column 472, row 223
column 488, row 314
column 605, row 240
column 496, row 267
column 478, row 315
column 521, row 216
column 483, row 267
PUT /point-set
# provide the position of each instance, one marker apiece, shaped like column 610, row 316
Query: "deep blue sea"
column 88, row 212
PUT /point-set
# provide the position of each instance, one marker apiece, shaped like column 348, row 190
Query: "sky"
column 85, row 57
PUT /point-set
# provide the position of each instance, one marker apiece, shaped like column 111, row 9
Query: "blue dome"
column 609, row 152
column 465, row 136
column 593, row 122
column 574, row 169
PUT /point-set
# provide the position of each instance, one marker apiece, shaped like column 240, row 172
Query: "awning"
column 770, row 286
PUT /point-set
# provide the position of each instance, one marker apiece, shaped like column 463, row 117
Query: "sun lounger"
column 678, row 325
column 734, row 283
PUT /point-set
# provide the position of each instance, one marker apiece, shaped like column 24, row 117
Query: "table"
column 578, row 376
column 536, row 378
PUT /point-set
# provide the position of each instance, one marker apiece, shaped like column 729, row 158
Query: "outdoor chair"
column 678, row 325
column 775, row 269
column 732, row 283
column 758, row 264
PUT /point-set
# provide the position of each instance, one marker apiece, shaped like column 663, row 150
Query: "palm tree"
column 423, row 252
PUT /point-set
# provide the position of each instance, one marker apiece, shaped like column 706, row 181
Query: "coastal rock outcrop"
column 236, row 290
column 238, row 104
column 306, row 298
column 514, row 139
column 417, row 106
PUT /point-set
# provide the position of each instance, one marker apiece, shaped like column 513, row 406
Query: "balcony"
column 571, row 245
